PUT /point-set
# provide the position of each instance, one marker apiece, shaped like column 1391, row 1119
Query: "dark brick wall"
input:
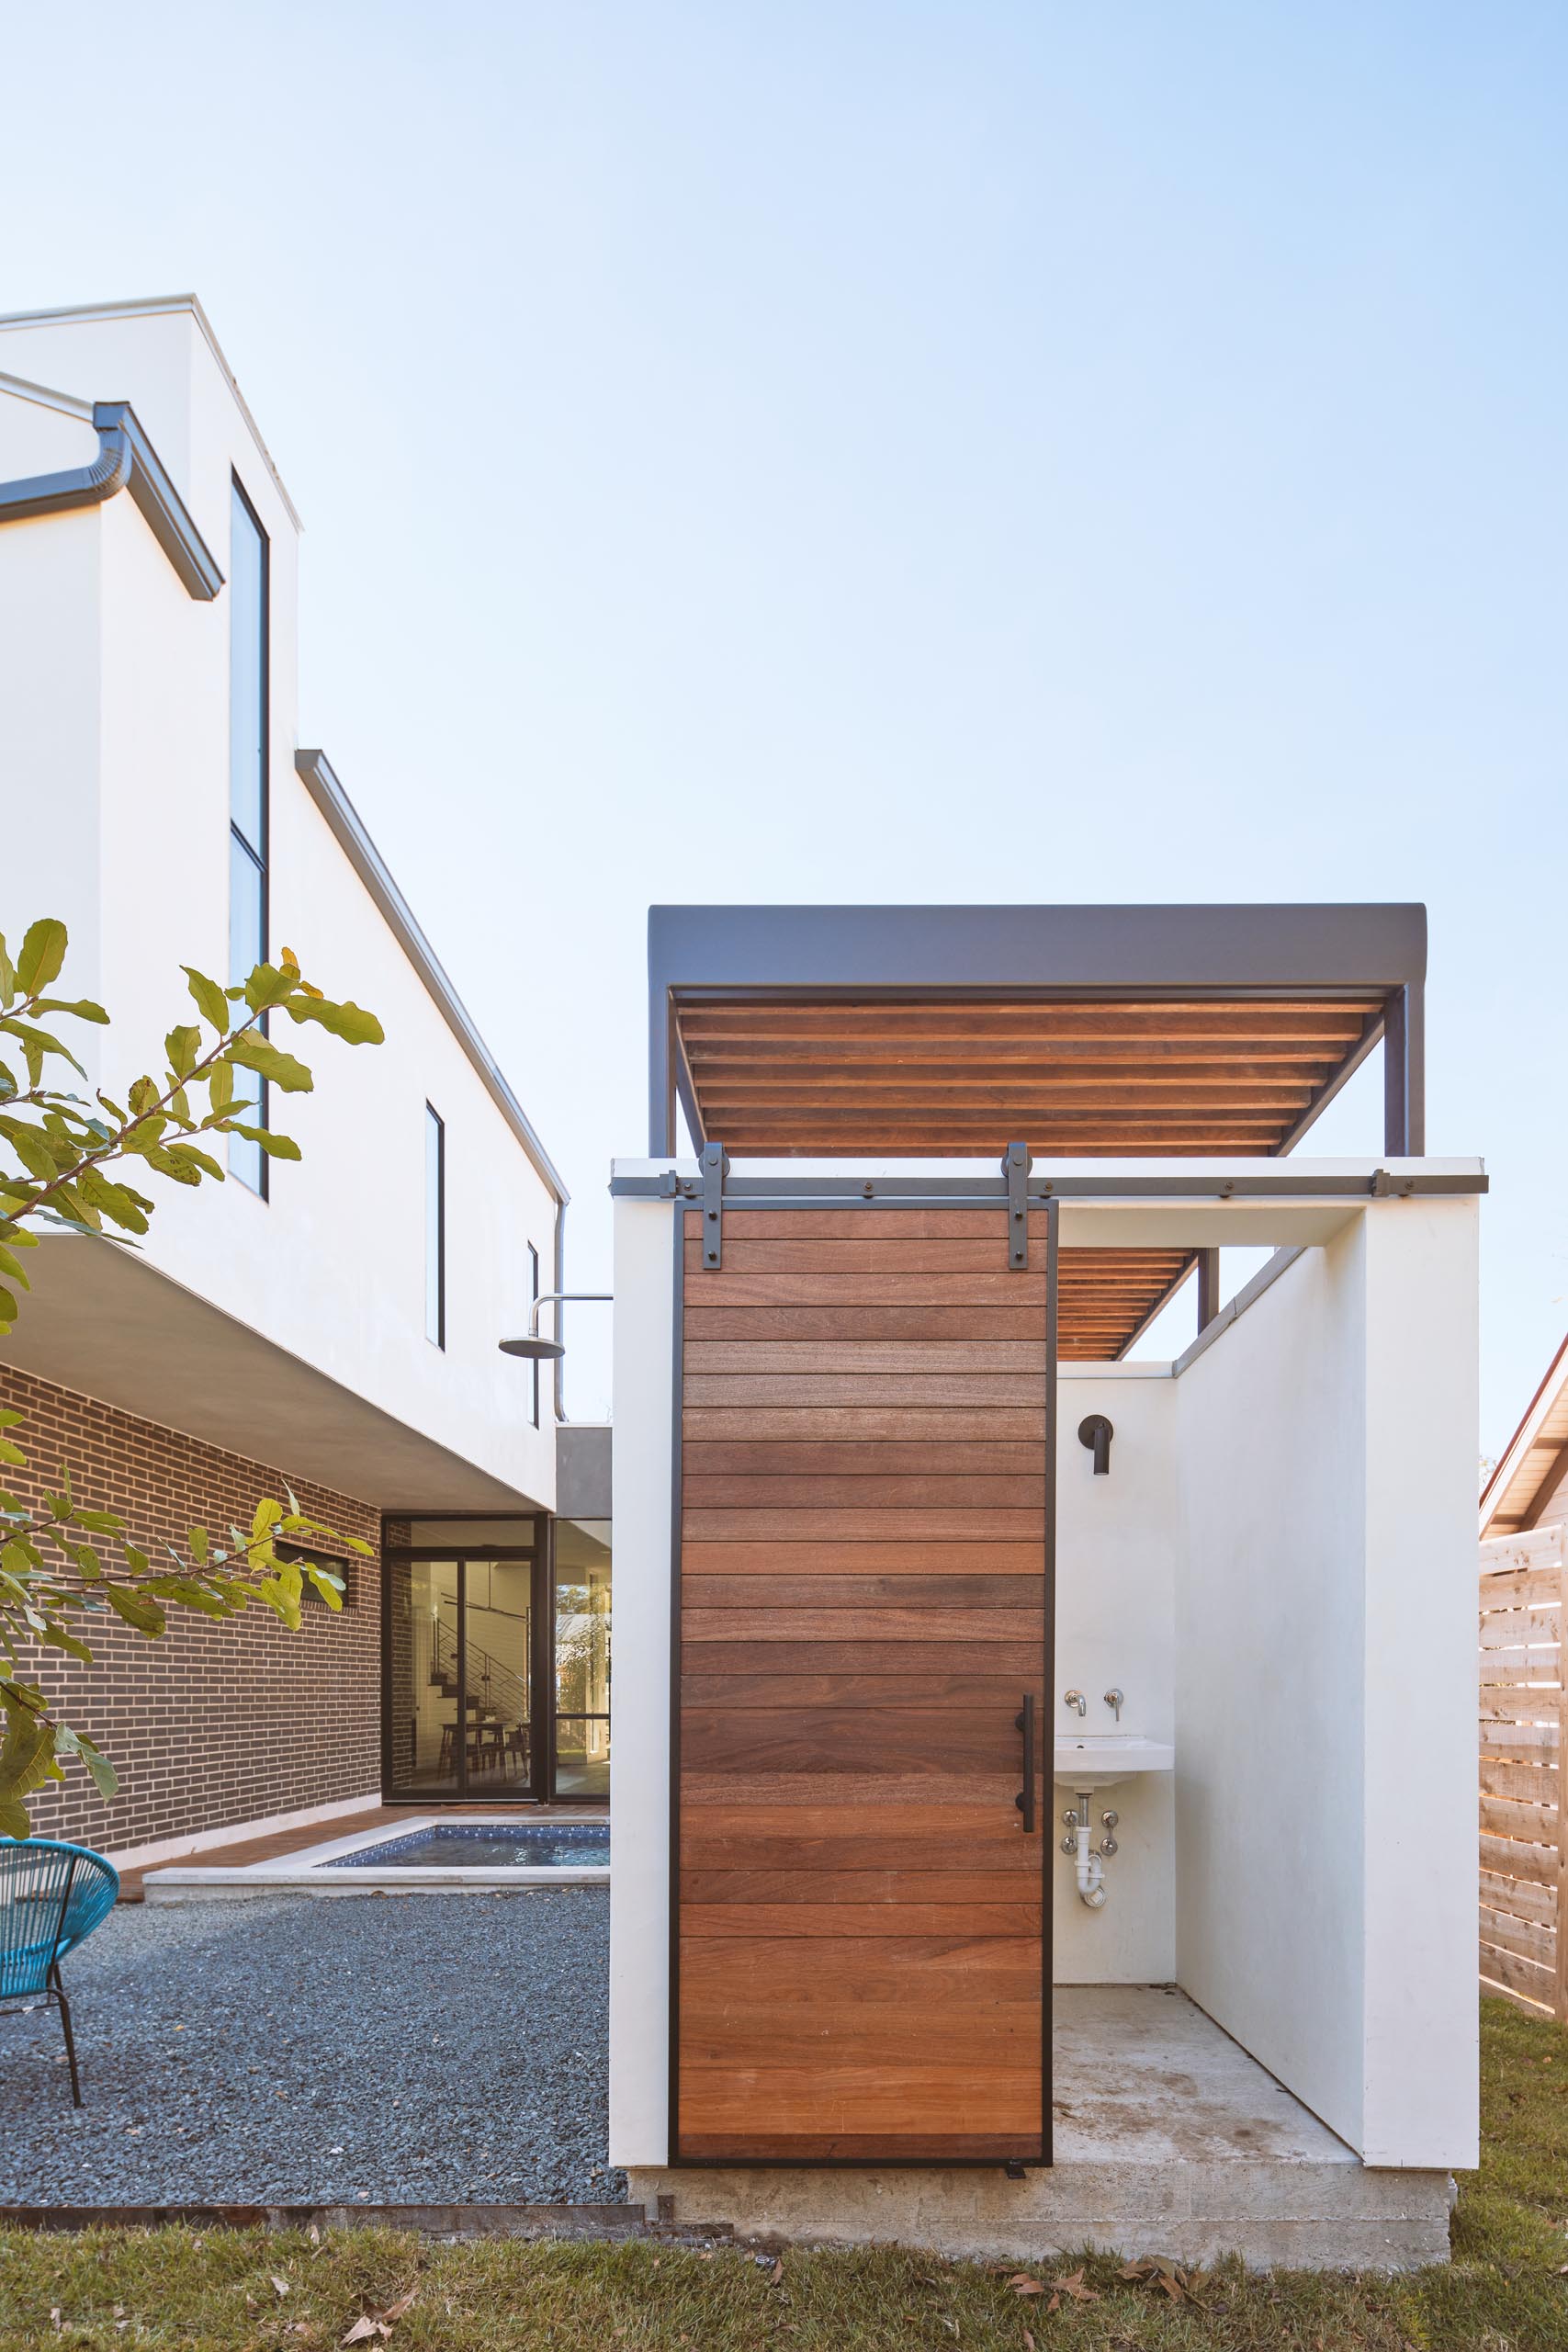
column 214, row 1723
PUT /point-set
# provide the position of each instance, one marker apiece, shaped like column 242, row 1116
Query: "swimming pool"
column 428, row 1854
column 479, row 1845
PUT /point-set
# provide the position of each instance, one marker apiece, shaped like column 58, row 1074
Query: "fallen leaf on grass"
column 775, row 2276
column 365, row 2331
column 1028, row 2341
column 1022, row 2284
column 1161, row 2271
column 281, row 2284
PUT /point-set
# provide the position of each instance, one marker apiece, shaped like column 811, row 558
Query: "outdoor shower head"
column 538, row 1350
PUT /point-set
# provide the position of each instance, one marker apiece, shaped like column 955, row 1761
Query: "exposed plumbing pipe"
column 1089, row 1869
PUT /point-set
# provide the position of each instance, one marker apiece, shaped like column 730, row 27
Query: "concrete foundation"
column 1168, row 2140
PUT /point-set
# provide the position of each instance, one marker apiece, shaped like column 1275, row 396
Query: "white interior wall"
column 1115, row 1601
column 1324, row 1823
column 1268, row 1681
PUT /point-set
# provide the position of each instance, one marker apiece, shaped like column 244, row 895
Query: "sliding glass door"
column 461, row 1624
column 496, row 1659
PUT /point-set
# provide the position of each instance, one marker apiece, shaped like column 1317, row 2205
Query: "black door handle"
column 1025, row 1797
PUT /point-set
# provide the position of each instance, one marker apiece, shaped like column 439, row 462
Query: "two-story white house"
column 331, row 1324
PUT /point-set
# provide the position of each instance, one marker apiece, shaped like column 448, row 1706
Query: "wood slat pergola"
column 1087, row 1031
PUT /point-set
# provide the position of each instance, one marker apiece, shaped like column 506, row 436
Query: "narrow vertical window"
column 434, row 1228
column 533, row 1298
column 247, row 787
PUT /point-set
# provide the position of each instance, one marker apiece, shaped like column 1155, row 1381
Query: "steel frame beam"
column 1271, row 952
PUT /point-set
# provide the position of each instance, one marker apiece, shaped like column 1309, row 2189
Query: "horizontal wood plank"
column 1516, row 1859
column 857, row 1325
column 968, row 1526
column 1526, row 1977
column 1535, row 1824
column 796, row 1388
column 951, row 1496
column 856, row 1355
column 913, row 1559
column 1517, row 1898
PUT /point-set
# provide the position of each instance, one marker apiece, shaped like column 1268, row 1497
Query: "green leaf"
column 76, row 1743
column 12, row 1455
column 143, row 1097
column 260, row 1055
column 99, row 1522
column 266, row 986
column 267, row 1514
column 220, row 1086
column 30, row 1150
column 118, row 1202
column 7, row 977
column 191, row 1594
column 276, row 1147
column 55, row 1637
column 15, row 1819
column 27, row 1754
column 80, row 1008
column 349, row 1021
column 44, row 953
column 36, row 1042
column 210, row 1001
column 145, row 1615
column 12, row 1266
column 9, row 1307
column 330, row 1588
column 178, row 1171
column 182, row 1045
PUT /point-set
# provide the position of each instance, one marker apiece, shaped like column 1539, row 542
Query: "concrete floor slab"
column 1169, row 2139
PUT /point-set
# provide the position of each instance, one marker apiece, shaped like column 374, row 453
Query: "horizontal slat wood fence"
column 1524, row 1739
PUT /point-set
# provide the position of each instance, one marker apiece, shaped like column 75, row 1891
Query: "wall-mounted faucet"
column 1113, row 1699
column 1096, row 1432
column 1076, row 1699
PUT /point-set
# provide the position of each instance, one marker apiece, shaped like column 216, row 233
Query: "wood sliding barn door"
column 863, row 1601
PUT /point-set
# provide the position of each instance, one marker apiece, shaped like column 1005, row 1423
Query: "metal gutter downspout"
column 126, row 460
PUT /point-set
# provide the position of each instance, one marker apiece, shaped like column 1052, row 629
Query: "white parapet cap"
column 149, row 306
column 315, row 772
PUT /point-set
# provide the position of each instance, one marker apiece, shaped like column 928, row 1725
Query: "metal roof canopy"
column 864, row 1033
column 770, row 959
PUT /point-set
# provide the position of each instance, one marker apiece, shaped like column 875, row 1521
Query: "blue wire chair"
column 51, row 1896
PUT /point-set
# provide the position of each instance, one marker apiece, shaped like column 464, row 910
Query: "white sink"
column 1098, row 1759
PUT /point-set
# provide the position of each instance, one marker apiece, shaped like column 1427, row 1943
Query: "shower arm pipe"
column 565, row 1298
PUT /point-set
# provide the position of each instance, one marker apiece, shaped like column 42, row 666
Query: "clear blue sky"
column 1001, row 449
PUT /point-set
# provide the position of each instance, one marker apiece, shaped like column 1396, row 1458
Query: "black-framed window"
column 249, row 590
column 533, row 1301
column 435, row 1227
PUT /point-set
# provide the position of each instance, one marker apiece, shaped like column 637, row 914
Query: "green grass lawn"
column 1504, row 2291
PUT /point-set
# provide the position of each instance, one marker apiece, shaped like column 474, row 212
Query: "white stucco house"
column 331, row 1324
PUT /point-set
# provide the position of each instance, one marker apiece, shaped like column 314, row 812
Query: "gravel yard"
column 420, row 2049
